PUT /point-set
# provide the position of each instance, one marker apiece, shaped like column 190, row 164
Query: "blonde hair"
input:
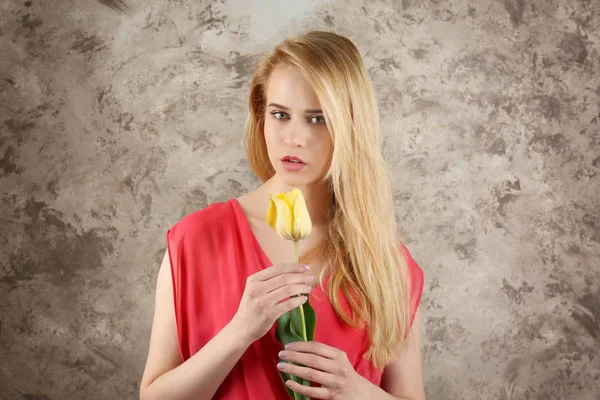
column 361, row 247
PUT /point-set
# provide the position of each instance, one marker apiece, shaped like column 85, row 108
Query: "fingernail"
column 282, row 354
column 306, row 267
column 311, row 278
column 288, row 346
column 281, row 366
column 289, row 383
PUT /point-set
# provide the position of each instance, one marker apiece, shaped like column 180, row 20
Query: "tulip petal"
column 272, row 214
column 286, row 199
column 293, row 195
column 302, row 222
column 279, row 216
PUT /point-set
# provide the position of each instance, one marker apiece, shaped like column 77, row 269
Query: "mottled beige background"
column 117, row 118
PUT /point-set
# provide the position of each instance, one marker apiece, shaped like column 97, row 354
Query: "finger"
column 310, row 360
column 285, row 292
column 312, row 392
column 324, row 378
column 278, row 269
column 317, row 348
column 283, row 280
column 288, row 305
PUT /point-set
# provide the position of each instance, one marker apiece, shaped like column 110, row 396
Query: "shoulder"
column 415, row 272
column 197, row 222
column 413, row 268
column 415, row 277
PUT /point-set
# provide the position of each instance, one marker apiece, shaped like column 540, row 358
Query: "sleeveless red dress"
column 212, row 252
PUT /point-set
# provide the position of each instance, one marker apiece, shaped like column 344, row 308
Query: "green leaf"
column 296, row 323
column 310, row 319
column 282, row 322
column 289, row 329
column 285, row 335
column 286, row 377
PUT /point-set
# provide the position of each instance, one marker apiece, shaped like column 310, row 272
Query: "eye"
column 279, row 114
column 317, row 119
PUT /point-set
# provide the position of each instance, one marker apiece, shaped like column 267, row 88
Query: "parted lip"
column 293, row 158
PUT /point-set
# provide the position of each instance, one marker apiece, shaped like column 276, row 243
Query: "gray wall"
column 119, row 117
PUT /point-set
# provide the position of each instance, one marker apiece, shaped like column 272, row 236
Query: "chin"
column 295, row 179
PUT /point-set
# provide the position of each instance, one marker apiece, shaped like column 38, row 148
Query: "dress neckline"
column 245, row 222
column 242, row 219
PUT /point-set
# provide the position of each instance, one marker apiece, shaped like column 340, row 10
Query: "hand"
column 325, row 365
column 267, row 296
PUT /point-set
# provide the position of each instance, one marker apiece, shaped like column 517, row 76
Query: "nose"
column 296, row 134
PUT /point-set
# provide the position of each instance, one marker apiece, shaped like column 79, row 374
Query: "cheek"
column 270, row 137
column 326, row 147
column 268, row 132
column 270, row 128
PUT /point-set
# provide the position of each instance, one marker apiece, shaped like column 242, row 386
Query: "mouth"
column 292, row 159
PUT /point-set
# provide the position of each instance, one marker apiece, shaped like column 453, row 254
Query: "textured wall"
column 119, row 117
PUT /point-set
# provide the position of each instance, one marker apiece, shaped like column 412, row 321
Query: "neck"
column 316, row 195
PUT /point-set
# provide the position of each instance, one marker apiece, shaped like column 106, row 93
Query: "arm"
column 403, row 376
column 165, row 376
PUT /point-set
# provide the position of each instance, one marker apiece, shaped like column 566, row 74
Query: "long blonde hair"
column 361, row 246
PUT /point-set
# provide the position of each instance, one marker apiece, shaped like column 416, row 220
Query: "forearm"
column 374, row 392
column 377, row 393
column 201, row 375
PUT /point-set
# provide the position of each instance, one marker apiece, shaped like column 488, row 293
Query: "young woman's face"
column 297, row 138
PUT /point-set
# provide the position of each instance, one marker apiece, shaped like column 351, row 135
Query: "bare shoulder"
column 254, row 203
column 199, row 221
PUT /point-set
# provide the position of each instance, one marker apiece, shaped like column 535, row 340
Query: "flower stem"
column 300, row 308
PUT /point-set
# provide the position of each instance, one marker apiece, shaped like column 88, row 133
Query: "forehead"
column 288, row 86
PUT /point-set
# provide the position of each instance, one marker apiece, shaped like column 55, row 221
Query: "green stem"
column 300, row 308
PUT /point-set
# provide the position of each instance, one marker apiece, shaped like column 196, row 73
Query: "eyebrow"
column 287, row 109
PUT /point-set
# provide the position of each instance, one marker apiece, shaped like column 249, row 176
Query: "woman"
column 226, row 276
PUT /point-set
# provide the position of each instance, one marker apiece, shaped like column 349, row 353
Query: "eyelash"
column 310, row 118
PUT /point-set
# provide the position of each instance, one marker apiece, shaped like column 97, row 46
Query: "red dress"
column 212, row 252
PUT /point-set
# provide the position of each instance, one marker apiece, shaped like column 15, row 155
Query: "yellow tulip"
column 288, row 216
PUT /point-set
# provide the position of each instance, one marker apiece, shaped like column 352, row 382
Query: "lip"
column 293, row 158
column 288, row 163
